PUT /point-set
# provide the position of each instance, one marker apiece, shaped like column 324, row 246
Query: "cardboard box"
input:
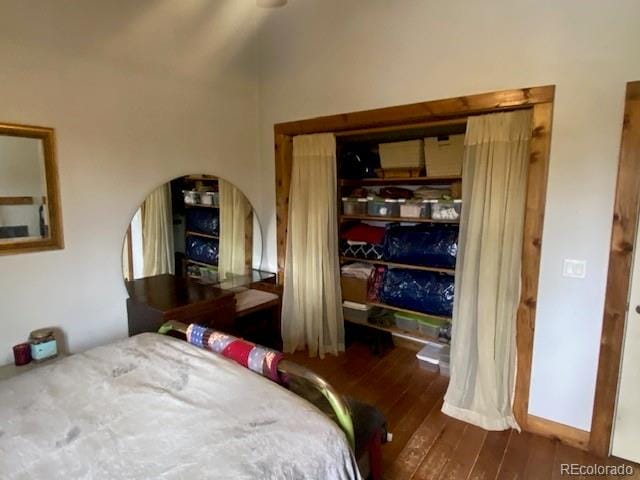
column 354, row 289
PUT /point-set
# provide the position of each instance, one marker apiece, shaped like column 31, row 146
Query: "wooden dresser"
column 155, row 300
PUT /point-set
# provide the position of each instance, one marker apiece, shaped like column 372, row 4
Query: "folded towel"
column 357, row 270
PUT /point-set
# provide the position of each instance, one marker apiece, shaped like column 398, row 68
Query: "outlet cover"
column 574, row 268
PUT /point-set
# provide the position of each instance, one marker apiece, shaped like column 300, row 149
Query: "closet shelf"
column 414, row 312
column 202, row 178
column 449, row 271
column 372, row 218
column 202, row 264
column 203, row 235
column 199, row 205
column 17, row 200
column 411, row 334
column 348, row 182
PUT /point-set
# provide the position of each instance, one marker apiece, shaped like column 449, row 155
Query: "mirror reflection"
column 199, row 227
column 23, row 190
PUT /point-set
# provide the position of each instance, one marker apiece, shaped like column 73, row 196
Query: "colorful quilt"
column 254, row 357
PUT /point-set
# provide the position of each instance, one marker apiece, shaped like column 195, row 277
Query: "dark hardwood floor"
column 428, row 444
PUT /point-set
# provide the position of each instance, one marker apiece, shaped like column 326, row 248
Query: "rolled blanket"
column 256, row 358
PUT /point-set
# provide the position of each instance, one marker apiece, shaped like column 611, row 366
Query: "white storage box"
column 210, row 198
column 414, row 209
column 354, row 206
column 443, row 155
column 429, row 356
column 446, row 209
column 356, row 312
column 383, row 207
column 445, row 361
column 191, row 197
column 409, row 154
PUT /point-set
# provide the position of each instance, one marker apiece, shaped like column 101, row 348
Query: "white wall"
column 138, row 92
column 321, row 57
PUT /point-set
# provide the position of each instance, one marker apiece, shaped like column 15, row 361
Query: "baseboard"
column 574, row 437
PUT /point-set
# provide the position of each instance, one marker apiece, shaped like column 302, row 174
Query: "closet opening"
column 441, row 121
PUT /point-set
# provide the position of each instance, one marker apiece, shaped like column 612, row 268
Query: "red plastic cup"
column 22, row 354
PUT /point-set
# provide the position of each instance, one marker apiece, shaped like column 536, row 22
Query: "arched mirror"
column 199, row 227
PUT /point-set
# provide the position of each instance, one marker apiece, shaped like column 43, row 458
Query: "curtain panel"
column 157, row 232
column 487, row 289
column 235, row 211
column 312, row 309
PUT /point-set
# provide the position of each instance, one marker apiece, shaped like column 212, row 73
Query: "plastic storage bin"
column 430, row 326
column 406, row 321
column 191, row 197
column 445, row 365
column 356, row 312
column 383, row 207
column 210, row 198
column 415, row 209
column 429, row 356
column 443, row 155
column 446, row 209
column 354, row 206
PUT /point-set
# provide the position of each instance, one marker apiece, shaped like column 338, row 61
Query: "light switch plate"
column 574, row 268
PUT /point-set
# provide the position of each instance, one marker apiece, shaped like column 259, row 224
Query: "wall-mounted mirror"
column 30, row 216
column 198, row 226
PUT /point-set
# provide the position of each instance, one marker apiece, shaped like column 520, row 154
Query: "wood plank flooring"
column 428, row 444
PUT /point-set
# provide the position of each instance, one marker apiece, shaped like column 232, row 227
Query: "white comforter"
column 153, row 407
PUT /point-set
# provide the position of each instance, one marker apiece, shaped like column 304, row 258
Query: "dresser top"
column 168, row 292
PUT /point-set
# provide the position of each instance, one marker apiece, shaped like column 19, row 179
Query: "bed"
column 153, row 406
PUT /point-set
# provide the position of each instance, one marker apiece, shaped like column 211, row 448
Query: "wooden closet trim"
column 540, row 100
column 623, row 235
column 420, row 112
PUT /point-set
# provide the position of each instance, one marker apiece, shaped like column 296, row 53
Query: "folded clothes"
column 364, row 233
column 432, row 193
column 367, row 251
column 396, row 192
column 357, row 270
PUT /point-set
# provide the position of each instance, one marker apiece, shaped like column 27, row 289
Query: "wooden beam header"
column 421, row 112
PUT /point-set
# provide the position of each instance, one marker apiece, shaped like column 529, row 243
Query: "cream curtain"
column 235, row 217
column 312, row 310
column 487, row 286
column 157, row 232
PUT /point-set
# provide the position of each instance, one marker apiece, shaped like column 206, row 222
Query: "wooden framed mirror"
column 30, row 213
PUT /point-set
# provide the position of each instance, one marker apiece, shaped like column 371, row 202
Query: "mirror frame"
column 56, row 239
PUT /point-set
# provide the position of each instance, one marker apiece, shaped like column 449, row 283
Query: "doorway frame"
column 540, row 100
column 623, row 235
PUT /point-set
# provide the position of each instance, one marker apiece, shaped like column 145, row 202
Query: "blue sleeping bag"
column 202, row 250
column 426, row 292
column 203, row 220
column 427, row 245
